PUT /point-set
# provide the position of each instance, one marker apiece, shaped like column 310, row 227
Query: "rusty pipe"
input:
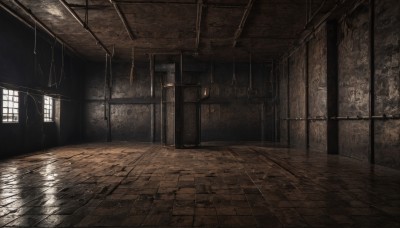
column 123, row 19
column 79, row 20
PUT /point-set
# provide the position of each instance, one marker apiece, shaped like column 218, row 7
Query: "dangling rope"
column 62, row 65
column 132, row 74
column 34, row 46
column 52, row 68
column 34, row 53
column 234, row 73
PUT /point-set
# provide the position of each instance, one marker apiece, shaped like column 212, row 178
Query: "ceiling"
column 207, row 30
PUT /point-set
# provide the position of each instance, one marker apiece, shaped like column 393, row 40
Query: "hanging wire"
column 52, row 68
column 34, row 46
column 233, row 83
column 62, row 65
column 132, row 73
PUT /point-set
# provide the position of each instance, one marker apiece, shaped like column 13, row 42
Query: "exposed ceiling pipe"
column 242, row 22
column 79, row 20
column 198, row 22
column 37, row 21
column 123, row 19
column 317, row 11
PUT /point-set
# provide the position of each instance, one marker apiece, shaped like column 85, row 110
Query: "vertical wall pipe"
column 152, row 121
column 371, row 49
column 306, row 77
column 288, row 101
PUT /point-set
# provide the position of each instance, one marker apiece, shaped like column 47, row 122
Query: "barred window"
column 10, row 106
column 48, row 109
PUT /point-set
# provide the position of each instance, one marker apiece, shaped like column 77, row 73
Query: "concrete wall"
column 231, row 113
column 317, row 87
column 387, row 81
column 21, row 70
column 353, row 86
column 297, row 98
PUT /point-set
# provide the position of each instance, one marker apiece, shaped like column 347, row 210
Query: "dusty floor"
column 125, row 184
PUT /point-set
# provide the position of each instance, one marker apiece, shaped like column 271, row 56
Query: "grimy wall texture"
column 232, row 112
column 306, row 70
column 21, row 70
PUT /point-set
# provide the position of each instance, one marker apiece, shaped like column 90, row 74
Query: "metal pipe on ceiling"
column 198, row 22
column 37, row 21
column 242, row 22
column 79, row 20
column 123, row 19
column 312, row 15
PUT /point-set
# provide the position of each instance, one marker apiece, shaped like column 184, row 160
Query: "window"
column 48, row 113
column 10, row 106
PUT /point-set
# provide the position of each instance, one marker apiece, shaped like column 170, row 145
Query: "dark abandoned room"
column 200, row 113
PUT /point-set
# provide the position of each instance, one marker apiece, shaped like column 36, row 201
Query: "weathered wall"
column 21, row 70
column 353, row 77
column 353, row 86
column 317, row 87
column 297, row 98
column 229, row 114
column 130, row 113
column 387, row 82
column 283, row 101
column 234, row 113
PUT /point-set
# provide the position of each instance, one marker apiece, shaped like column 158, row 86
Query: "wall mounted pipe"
column 307, row 101
column 79, row 20
column 371, row 50
column 288, row 100
column 152, row 123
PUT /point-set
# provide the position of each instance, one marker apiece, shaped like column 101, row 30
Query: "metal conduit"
column 79, row 20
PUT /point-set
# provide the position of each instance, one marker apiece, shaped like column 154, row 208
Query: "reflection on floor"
column 128, row 185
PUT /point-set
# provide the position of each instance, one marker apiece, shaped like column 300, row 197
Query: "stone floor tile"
column 27, row 220
column 181, row 221
column 123, row 184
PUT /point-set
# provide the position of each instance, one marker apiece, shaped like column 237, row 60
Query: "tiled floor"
column 128, row 185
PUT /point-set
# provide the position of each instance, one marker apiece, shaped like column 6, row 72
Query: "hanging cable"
column 132, row 73
column 52, row 68
column 233, row 83
column 62, row 65
column 34, row 45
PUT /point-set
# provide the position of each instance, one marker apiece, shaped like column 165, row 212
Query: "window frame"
column 16, row 94
column 48, row 117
